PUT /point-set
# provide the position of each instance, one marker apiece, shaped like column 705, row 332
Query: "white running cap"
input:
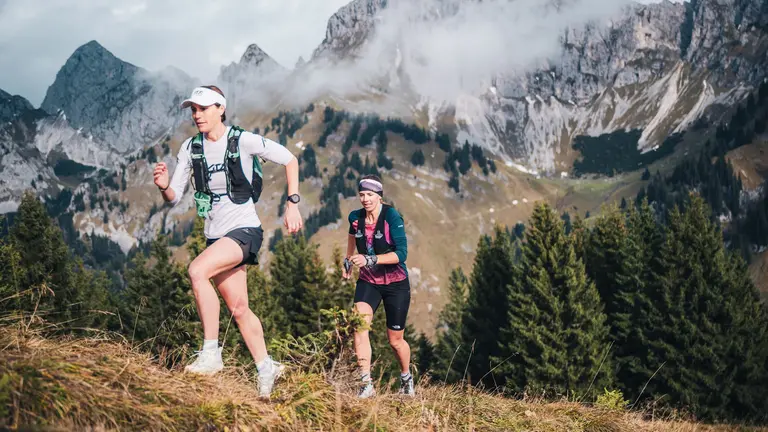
column 204, row 97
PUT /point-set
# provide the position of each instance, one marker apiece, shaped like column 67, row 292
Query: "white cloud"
column 37, row 36
column 442, row 58
column 460, row 52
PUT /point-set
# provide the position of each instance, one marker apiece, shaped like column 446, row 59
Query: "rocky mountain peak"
column 86, row 86
column 93, row 47
column 349, row 27
column 115, row 102
column 11, row 106
column 253, row 60
column 254, row 56
column 247, row 81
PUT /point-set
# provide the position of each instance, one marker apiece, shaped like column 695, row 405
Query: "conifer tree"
column 486, row 310
column 580, row 238
column 425, row 357
column 300, row 285
column 11, row 298
column 196, row 241
column 632, row 306
column 519, row 230
column 157, row 306
column 417, row 159
column 705, row 314
column 264, row 304
column 341, row 292
column 44, row 256
column 97, row 303
column 556, row 340
column 62, row 289
column 450, row 359
column 604, row 255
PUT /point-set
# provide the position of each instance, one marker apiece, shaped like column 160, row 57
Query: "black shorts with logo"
column 249, row 239
column 396, row 297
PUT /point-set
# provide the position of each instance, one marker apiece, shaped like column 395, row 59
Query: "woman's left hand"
column 358, row 260
column 292, row 219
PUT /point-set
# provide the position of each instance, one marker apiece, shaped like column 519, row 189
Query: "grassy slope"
column 751, row 163
column 71, row 384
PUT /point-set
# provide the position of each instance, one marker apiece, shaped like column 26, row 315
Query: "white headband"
column 204, row 97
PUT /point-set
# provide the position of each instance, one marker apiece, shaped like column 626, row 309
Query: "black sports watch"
column 295, row 198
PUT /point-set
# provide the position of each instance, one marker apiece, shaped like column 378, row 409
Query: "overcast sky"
column 37, row 36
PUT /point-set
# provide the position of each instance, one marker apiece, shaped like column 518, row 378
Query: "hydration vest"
column 380, row 245
column 239, row 188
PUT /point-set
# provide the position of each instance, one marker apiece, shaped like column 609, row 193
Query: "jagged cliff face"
column 114, row 101
column 55, row 135
column 655, row 67
column 22, row 166
column 11, row 106
column 627, row 74
column 349, row 28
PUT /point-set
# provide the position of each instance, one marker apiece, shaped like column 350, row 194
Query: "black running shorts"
column 396, row 296
column 249, row 239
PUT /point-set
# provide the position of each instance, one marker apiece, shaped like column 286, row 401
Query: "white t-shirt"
column 225, row 215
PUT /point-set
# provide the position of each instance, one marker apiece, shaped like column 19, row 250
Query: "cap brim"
column 203, row 101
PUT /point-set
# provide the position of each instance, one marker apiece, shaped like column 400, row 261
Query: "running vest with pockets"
column 239, row 188
column 380, row 245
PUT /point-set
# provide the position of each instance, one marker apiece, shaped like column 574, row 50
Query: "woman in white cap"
column 377, row 234
column 226, row 172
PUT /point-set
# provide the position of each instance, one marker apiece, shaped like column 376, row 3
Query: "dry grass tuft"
column 100, row 383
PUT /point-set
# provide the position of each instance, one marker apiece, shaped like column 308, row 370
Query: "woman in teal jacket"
column 377, row 245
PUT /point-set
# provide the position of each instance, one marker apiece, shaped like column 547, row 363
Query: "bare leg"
column 219, row 257
column 362, row 340
column 401, row 348
column 233, row 286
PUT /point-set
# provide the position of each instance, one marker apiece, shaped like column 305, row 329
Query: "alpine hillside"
column 647, row 87
column 655, row 68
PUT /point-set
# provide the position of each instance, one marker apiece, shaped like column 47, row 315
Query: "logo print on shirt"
column 213, row 169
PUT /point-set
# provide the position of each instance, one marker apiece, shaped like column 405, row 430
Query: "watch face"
column 294, row 198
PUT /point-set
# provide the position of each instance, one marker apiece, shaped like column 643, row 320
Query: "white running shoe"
column 268, row 377
column 406, row 386
column 208, row 362
column 366, row 390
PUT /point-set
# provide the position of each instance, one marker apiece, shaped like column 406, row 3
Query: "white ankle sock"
column 264, row 364
column 210, row 344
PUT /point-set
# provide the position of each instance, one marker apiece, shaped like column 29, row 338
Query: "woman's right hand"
column 161, row 175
